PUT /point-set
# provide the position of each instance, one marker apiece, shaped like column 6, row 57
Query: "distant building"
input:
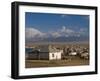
column 73, row 53
column 85, row 55
column 45, row 52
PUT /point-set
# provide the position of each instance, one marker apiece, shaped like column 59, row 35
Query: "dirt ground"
column 72, row 61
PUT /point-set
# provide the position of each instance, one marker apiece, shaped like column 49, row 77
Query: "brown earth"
column 74, row 61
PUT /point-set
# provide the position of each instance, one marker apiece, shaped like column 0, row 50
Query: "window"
column 52, row 55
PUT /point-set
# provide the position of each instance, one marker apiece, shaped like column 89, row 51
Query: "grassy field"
column 72, row 61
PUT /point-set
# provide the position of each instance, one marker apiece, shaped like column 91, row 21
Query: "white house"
column 73, row 53
column 55, row 54
column 46, row 52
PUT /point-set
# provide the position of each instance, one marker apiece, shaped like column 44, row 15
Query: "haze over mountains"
column 60, row 35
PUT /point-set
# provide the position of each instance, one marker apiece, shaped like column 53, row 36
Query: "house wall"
column 38, row 56
column 44, row 55
column 32, row 56
column 55, row 55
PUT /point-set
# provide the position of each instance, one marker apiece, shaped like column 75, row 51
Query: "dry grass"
column 75, row 61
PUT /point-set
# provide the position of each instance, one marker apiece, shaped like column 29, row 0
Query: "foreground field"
column 72, row 61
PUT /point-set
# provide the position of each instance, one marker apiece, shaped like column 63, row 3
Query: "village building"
column 45, row 52
column 85, row 55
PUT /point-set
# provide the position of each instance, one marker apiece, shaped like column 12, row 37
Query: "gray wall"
column 38, row 56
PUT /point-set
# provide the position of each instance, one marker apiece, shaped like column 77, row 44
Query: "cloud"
column 63, row 15
column 56, row 34
column 63, row 32
column 63, row 29
column 33, row 33
column 66, row 30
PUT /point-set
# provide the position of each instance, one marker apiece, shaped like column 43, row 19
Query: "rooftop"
column 47, row 48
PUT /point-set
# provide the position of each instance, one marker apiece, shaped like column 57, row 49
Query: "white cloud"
column 63, row 29
column 66, row 30
column 56, row 34
column 32, row 32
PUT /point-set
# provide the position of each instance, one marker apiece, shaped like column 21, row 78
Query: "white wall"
column 57, row 55
column 5, row 40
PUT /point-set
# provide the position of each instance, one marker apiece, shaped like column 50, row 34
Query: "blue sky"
column 44, row 23
column 47, row 22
